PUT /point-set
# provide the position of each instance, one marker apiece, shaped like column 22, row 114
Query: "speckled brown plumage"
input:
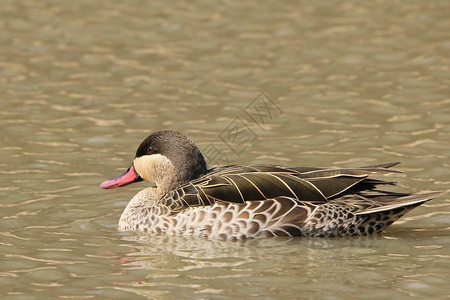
column 262, row 201
column 234, row 202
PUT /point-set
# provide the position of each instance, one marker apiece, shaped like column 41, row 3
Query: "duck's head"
column 166, row 159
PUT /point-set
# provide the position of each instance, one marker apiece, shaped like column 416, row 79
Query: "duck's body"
column 254, row 201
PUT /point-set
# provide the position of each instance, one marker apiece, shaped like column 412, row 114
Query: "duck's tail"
column 388, row 203
column 389, row 209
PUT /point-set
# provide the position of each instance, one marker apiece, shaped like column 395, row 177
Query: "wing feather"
column 238, row 184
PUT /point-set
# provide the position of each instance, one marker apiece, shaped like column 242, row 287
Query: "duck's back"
column 239, row 184
column 262, row 200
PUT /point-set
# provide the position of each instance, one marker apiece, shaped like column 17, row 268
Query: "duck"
column 252, row 201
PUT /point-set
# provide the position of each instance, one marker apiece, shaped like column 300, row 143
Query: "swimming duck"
column 247, row 201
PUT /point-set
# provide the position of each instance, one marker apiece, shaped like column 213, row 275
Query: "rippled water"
column 83, row 82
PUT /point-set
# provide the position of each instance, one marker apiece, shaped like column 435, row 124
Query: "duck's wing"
column 372, row 202
column 238, row 184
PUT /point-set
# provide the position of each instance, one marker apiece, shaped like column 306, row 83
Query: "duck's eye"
column 150, row 150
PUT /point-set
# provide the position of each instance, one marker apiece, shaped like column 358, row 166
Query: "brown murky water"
column 83, row 82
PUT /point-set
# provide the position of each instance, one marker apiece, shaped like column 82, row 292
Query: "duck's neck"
column 159, row 170
column 143, row 209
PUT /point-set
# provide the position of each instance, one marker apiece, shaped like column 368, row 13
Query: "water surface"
column 83, row 82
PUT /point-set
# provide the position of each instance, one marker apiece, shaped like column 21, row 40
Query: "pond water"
column 351, row 83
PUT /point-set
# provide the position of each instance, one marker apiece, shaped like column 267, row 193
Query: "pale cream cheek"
column 150, row 167
column 145, row 166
